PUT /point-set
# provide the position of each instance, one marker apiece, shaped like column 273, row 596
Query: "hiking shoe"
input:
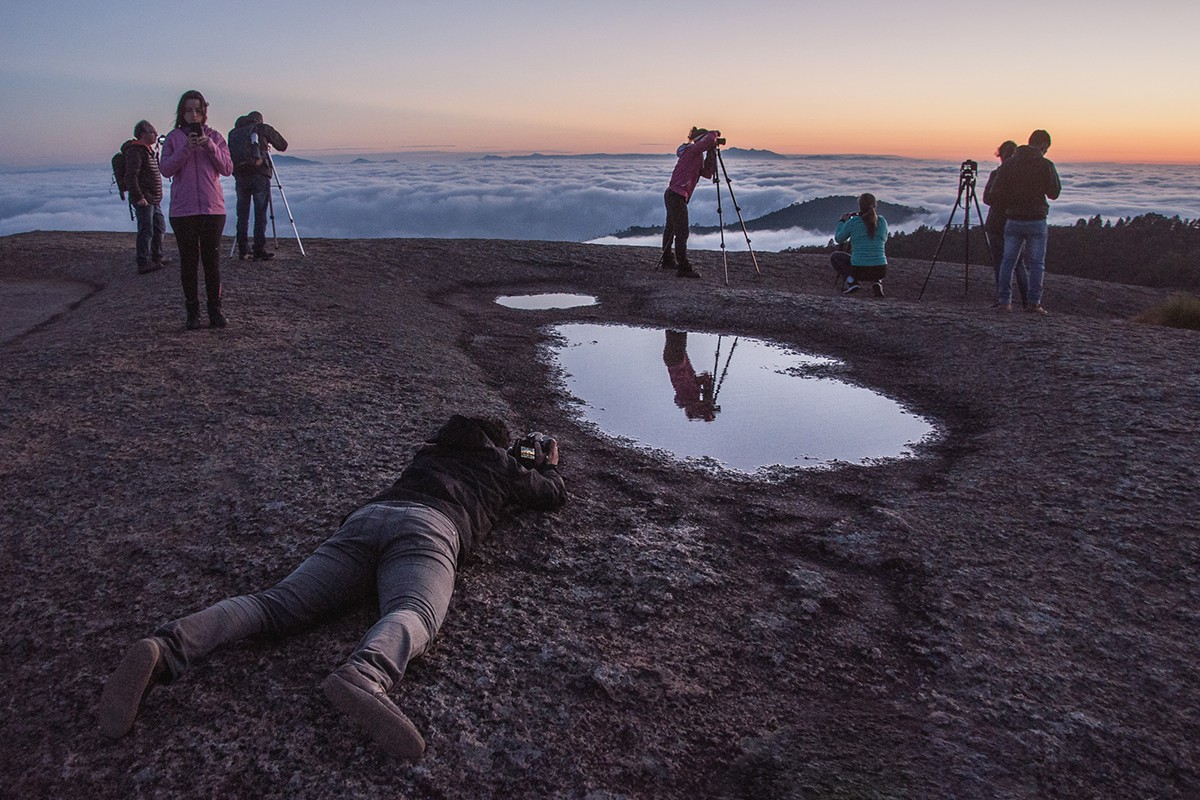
column 217, row 320
column 687, row 272
column 262, row 255
column 877, row 288
column 851, row 287
column 1037, row 309
column 368, row 706
column 668, row 262
column 1004, row 308
column 122, row 697
column 193, row 321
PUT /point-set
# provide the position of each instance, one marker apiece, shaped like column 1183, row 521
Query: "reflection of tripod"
column 966, row 193
column 271, row 208
column 721, row 219
column 716, row 364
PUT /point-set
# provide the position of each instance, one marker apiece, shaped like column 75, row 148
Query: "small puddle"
column 540, row 302
column 737, row 403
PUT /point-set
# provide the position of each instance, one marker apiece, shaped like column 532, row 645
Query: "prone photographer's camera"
column 721, row 141
column 527, row 447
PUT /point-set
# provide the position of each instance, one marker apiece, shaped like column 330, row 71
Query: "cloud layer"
column 587, row 198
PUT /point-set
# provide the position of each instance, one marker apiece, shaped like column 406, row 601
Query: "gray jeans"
column 408, row 551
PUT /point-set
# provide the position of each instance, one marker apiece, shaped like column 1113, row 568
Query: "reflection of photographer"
column 250, row 142
column 866, row 231
column 695, row 394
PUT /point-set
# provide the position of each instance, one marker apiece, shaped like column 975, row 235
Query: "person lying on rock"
column 407, row 542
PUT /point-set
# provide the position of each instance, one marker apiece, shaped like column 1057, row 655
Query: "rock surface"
column 1012, row 615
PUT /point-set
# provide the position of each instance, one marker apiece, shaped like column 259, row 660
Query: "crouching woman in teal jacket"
column 866, row 262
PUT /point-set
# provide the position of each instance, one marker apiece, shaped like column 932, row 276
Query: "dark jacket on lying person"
column 465, row 473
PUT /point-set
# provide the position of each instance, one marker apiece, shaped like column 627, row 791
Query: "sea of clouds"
column 586, row 198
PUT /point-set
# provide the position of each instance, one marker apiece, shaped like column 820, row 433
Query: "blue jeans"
column 1020, row 272
column 407, row 551
column 1031, row 235
column 256, row 188
column 151, row 225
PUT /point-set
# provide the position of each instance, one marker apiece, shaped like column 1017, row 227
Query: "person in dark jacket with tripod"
column 1024, row 185
column 407, row 542
column 143, row 181
column 249, row 146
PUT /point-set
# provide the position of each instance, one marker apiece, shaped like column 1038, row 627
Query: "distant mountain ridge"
column 820, row 214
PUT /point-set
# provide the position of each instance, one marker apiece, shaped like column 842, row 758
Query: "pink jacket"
column 195, row 174
column 694, row 163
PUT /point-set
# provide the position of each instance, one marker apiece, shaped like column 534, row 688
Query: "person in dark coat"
column 249, row 144
column 143, row 181
column 1024, row 186
column 407, row 542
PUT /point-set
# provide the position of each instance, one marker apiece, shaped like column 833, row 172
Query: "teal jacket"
column 865, row 251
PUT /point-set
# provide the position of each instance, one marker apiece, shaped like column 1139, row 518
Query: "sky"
column 919, row 79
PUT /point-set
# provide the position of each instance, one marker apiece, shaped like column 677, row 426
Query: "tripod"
column 721, row 217
column 966, row 194
column 271, row 209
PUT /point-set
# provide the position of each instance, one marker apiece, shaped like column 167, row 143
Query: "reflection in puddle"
column 743, row 403
column 539, row 302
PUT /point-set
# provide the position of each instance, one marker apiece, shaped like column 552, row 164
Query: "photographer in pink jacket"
column 194, row 157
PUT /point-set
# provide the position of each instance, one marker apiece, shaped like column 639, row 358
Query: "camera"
column 526, row 448
column 721, row 141
column 969, row 168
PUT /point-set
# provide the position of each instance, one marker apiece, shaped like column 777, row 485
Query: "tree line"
column 1147, row 250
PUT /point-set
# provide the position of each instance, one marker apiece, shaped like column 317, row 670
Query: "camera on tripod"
column 721, row 141
column 529, row 447
column 968, row 169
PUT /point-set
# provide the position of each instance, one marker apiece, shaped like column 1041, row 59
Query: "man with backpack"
column 249, row 143
column 143, row 182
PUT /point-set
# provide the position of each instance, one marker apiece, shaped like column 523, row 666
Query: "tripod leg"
column 721, row 223
column 288, row 208
column 957, row 202
column 738, row 209
column 289, row 213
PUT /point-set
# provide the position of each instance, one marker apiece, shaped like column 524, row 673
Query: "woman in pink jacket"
column 194, row 157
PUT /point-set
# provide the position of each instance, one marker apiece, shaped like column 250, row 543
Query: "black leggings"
column 676, row 229
column 199, row 240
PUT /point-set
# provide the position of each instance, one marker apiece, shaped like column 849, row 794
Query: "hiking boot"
column 193, row 321
column 262, row 255
column 217, row 320
column 687, row 271
column 877, row 289
column 851, row 287
column 368, row 706
column 146, row 266
column 668, row 261
column 139, row 670
column 1036, row 309
column 1004, row 308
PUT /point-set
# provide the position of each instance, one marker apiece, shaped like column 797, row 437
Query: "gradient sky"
column 1111, row 81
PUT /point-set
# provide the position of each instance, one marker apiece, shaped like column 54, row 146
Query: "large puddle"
column 737, row 403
